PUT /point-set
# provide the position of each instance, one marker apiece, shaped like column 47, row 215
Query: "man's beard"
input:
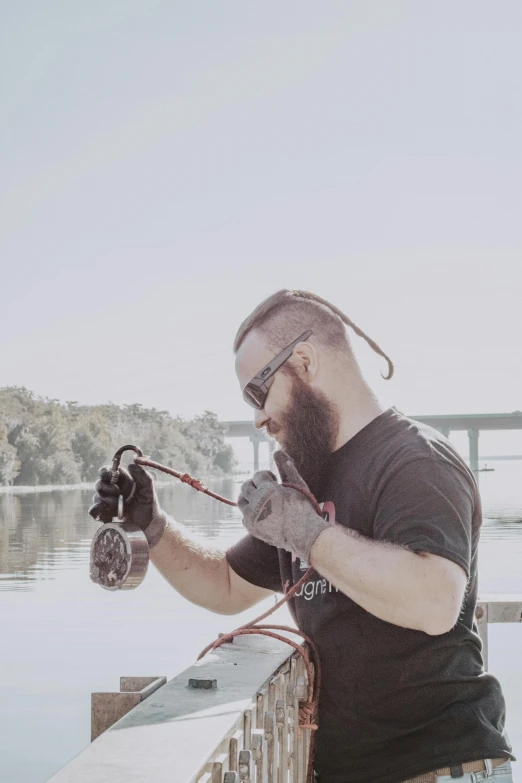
column 309, row 429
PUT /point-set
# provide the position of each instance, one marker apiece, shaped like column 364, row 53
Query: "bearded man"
column 391, row 604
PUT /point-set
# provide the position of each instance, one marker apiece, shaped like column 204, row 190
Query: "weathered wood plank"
column 504, row 612
column 258, row 755
column 108, row 708
column 272, row 693
column 260, row 708
column 248, row 725
column 301, row 687
column 219, row 767
column 302, row 693
column 280, row 686
column 270, row 737
column 282, row 742
column 245, row 765
column 508, row 598
column 135, row 684
column 293, row 669
column 292, row 712
column 234, row 746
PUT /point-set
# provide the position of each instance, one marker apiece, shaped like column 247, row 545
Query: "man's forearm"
column 387, row 580
column 198, row 572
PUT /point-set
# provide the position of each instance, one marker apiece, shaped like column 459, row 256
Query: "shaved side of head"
column 283, row 316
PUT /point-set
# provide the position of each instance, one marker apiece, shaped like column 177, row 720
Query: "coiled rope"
column 308, row 653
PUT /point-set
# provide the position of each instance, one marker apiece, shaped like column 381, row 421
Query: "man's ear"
column 308, row 359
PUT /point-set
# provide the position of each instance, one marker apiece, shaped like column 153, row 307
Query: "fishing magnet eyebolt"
column 117, row 459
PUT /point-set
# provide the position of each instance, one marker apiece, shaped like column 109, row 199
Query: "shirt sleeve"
column 257, row 562
column 427, row 506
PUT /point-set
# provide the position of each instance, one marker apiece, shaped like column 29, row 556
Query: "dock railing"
column 230, row 718
column 496, row 609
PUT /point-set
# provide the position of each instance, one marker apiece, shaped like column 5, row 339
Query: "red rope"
column 312, row 664
column 185, row 478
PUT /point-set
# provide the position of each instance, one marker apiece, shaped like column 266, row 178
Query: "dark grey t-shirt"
column 395, row 702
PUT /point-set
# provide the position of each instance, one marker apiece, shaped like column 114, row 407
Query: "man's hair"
column 283, row 316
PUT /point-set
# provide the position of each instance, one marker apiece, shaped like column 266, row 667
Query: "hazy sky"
column 166, row 165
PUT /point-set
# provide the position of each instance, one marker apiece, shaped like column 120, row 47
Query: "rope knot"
column 186, row 478
column 306, row 716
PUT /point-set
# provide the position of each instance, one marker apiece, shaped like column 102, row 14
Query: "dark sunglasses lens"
column 254, row 396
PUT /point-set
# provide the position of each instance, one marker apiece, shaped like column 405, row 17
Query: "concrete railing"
column 230, row 718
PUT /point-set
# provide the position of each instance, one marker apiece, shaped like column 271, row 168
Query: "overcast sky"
column 166, row 165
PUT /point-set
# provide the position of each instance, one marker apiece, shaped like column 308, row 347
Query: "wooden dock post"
column 108, row 708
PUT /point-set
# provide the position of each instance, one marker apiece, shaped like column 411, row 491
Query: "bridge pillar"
column 473, row 436
column 255, row 443
column 271, row 449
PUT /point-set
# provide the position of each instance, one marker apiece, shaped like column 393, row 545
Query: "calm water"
column 63, row 637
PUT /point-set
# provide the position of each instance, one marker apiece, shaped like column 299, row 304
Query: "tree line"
column 44, row 441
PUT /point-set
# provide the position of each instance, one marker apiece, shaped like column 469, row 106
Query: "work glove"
column 140, row 507
column 281, row 516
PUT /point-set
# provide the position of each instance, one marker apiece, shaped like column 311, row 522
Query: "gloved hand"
column 281, row 516
column 142, row 509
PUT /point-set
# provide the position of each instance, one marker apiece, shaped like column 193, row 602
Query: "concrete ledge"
column 169, row 738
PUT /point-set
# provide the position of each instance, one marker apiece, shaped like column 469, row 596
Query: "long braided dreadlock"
column 320, row 309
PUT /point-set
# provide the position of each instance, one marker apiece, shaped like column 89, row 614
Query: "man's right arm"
column 202, row 574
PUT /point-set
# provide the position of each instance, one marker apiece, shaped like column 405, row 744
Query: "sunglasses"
column 256, row 390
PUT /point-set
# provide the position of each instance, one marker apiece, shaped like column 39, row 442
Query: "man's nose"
column 260, row 419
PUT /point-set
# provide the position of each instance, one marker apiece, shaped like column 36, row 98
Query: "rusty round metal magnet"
column 119, row 556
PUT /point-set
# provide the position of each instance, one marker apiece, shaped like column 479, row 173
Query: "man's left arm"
column 412, row 573
column 420, row 591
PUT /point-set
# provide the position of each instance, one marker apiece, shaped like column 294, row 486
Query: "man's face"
column 297, row 413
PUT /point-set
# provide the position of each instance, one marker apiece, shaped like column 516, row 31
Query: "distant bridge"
column 473, row 423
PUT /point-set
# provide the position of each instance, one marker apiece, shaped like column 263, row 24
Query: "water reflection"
column 43, row 532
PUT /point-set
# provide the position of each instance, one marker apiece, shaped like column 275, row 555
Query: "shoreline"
column 27, row 490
